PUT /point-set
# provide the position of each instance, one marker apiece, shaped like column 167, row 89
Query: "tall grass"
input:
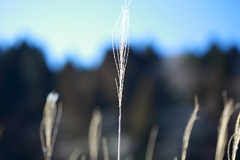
column 105, row 148
column 52, row 114
column 222, row 128
column 120, row 46
column 151, row 142
column 95, row 134
column 236, row 139
column 188, row 129
column 49, row 124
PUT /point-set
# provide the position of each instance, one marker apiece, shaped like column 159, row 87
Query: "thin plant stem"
column 188, row 129
column 119, row 132
column 236, row 138
column 105, row 148
column 95, row 130
column 75, row 154
column 151, row 143
column 222, row 127
column 120, row 46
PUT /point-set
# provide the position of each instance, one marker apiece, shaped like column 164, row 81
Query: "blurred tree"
column 24, row 83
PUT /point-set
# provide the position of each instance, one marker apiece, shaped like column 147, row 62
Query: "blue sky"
column 82, row 30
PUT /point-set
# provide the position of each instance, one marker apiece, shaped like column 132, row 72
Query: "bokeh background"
column 178, row 50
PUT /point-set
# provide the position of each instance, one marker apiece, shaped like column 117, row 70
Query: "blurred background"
column 178, row 50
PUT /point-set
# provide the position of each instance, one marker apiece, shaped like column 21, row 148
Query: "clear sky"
column 82, row 29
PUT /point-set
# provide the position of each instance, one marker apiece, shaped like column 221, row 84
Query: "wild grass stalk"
column 120, row 46
column 95, row 130
column 105, row 148
column 236, row 138
column 75, row 154
column 49, row 124
column 222, row 127
column 151, row 142
column 188, row 129
column 83, row 157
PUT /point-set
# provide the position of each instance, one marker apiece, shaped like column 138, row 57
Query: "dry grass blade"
column 49, row 124
column 105, row 148
column 120, row 46
column 83, row 157
column 175, row 158
column 188, row 129
column 222, row 127
column 229, row 145
column 151, row 143
column 95, row 134
column 233, row 149
column 236, row 138
column 75, row 154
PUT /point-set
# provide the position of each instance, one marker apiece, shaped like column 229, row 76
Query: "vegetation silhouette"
column 156, row 91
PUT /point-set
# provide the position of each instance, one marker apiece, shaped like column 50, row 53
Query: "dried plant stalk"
column 83, row 157
column 236, row 138
column 120, row 46
column 229, row 145
column 188, row 129
column 49, row 125
column 151, row 143
column 222, row 127
column 75, row 154
column 95, row 134
column 105, row 148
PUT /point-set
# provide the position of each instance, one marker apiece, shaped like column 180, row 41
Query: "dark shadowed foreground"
column 157, row 91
